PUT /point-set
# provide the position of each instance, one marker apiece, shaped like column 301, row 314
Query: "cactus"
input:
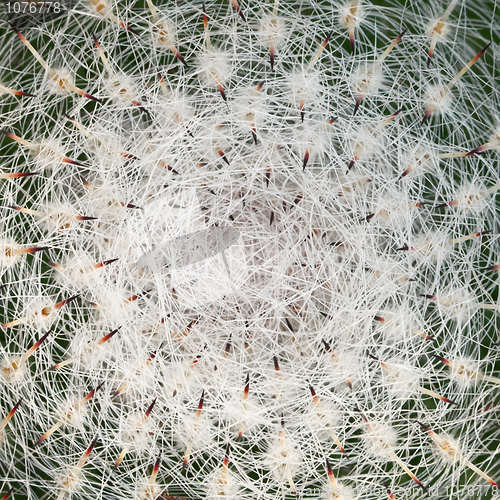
column 249, row 249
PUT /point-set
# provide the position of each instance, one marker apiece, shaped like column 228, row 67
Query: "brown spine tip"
column 72, row 162
column 202, row 399
column 424, row 427
column 66, row 301
column 8, row 134
column 268, row 176
column 429, row 57
column 356, row 106
column 16, row 31
column 91, row 447
column 141, row 108
column 254, row 136
column 40, row 440
column 327, row 38
column 128, row 156
column 227, row 349
column 476, row 151
column 417, row 481
column 40, row 341
column 445, row 204
column 181, row 59
column 352, row 41
column 205, row 17
column 36, row 249
column 91, row 97
column 19, row 175
column 427, row 114
column 108, row 262
column 306, row 159
column 443, row 360
column 16, row 407
column 329, row 468
column 85, row 182
column 129, row 28
column 8, row 494
column 238, row 10
column 222, row 92
column 363, row 416
column 482, row 51
column 223, row 156
column 276, row 364
column 108, row 336
column 351, row 164
column 170, row 169
column 23, row 94
column 85, row 217
column 404, row 174
column 157, row 464
column 150, row 408
column 98, row 388
column 430, row 297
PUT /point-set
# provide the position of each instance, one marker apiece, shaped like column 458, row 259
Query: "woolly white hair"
column 232, row 249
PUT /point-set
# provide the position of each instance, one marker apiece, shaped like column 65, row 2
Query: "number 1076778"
column 26, row 7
